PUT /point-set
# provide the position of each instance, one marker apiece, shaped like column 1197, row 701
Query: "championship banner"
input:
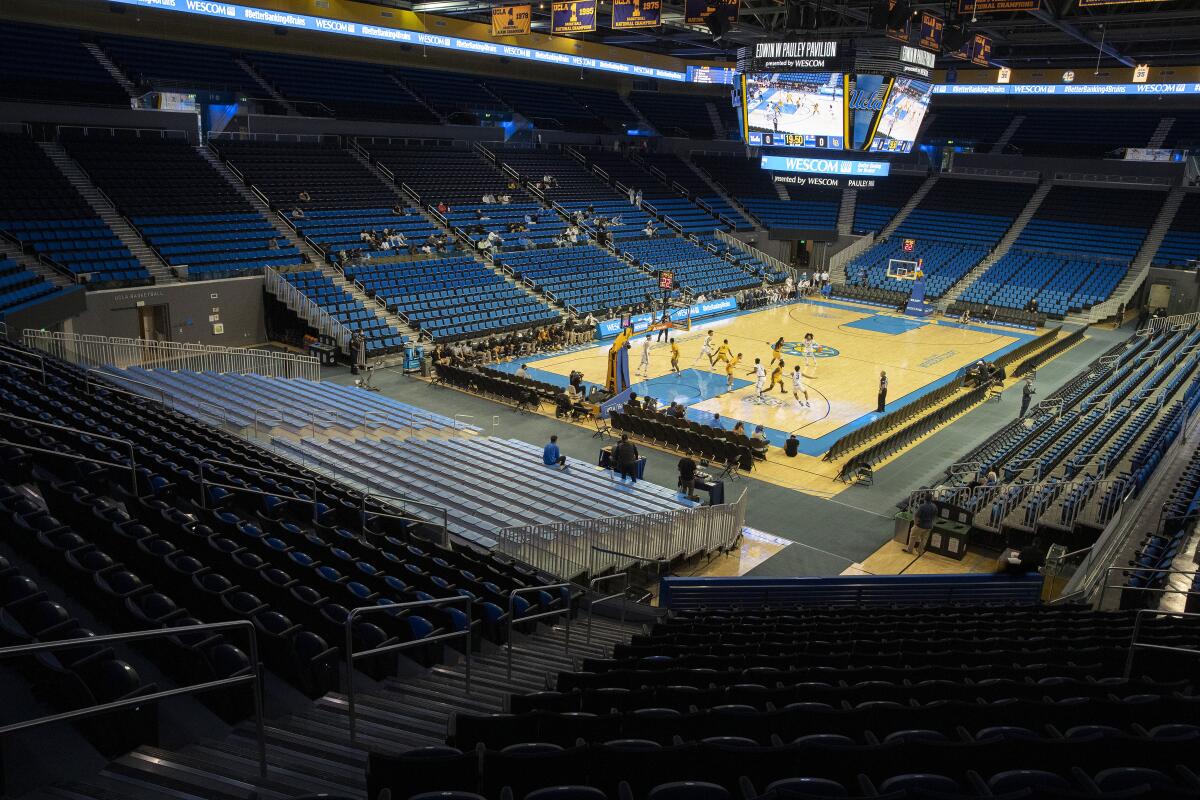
column 696, row 12
column 995, row 6
column 900, row 33
column 932, row 28
column 981, row 50
column 636, row 14
column 1094, row 3
column 573, row 16
column 511, row 20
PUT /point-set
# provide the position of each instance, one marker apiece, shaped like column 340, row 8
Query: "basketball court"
column 854, row 344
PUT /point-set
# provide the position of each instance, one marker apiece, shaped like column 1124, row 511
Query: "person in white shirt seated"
column 484, row 245
column 488, row 199
column 495, row 238
column 649, row 230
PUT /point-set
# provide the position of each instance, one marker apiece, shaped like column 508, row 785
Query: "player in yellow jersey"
column 674, row 356
column 777, row 351
column 730, row 366
column 777, row 378
column 722, row 353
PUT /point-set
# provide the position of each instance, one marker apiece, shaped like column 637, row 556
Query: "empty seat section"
column 664, row 199
column 686, row 115
column 678, row 171
column 1181, row 243
column 41, row 210
column 970, row 212
column 1083, row 133
column 585, row 278
column 548, row 105
column 19, row 286
column 1095, row 221
column 945, row 263
column 380, row 337
column 808, row 208
column 73, row 75
column 875, row 208
column 181, row 206
column 696, row 269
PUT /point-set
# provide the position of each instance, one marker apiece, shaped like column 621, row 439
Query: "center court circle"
column 823, row 350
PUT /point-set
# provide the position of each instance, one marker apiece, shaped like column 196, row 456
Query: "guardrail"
column 512, row 599
column 774, row 263
column 1175, row 322
column 254, row 679
column 99, row 351
column 303, row 305
column 843, row 257
column 594, row 601
column 566, row 549
column 351, row 656
column 72, row 456
column 1135, row 645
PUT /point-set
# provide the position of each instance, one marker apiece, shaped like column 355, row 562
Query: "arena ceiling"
column 1060, row 33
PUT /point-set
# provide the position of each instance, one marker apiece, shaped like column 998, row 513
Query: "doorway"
column 154, row 323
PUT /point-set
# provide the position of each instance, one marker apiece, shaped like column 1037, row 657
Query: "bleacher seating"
column 510, row 485
column 1181, row 243
column 684, row 115
column 874, row 208
column 1082, row 133
column 810, row 208
column 42, row 210
column 348, row 89
column 72, row 76
column 679, row 172
column 945, row 263
column 292, row 548
column 584, row 277
column 167, row 65
column 1080, row 220
column 381, row 338
column 980, row 126
column 903, row 702
column 695, row 269
column 347, row 198
column 1184, row 130
column 1059, row 284
column 460, row 98
column 549, row 105
column 181, row 206
column 664, row 200
column 970, row 212
column 19, row 286
column 451, row 298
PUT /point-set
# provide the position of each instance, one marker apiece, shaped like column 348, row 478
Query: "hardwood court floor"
column 855, row 343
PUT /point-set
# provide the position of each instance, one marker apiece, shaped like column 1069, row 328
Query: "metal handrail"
column 329, row 415
column 1134, row 644
column 132, row 466
column 1108, row 572
column 566, row 609
column 445, row 540
column 80, row 713
column 200, row 411
column 351, row 656
column 313, row 486
column 25, row 354
column 257, row 417
column 592, row 584
column 87, row 385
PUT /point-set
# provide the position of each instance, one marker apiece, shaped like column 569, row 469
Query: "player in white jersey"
column 644, row 367
column 808, row 351
column 760, row 377
column 706, row 349
column 798, row 387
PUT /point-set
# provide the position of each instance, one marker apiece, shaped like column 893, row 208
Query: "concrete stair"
column 272, row 93
column 845, row 219
column 1001, row 248
column 1139, row 268
column 1008, row 133
column 31, row 263
column 643, row 123
column 104, row 209
column 907, row 208
column 310, row 750
column 719, row 192
column 112, row 69
column 714, row 117
column 408, row 90
column 1161, row 132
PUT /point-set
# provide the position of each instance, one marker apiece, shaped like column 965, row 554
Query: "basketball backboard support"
column 902, row 270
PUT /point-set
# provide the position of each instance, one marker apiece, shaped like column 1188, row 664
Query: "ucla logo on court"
column 823, row 350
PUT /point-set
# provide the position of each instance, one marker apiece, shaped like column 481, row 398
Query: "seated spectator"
column 740, row 428
column 305, row 197
column 297, row 213
column 758, row 442
column 649, row 230
column 504, row 199
column 633, row 404
column 523, row 371
column 551, row 457
column 488, row 199
column 442, row 208
column 272, row 243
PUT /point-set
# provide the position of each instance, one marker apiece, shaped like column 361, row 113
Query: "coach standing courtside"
column 883, row 383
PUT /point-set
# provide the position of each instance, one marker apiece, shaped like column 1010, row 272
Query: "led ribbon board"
column 826, row 166
column 305, row 22
column 1069, row 89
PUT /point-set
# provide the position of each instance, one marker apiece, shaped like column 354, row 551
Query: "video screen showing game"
column 793, row 109
column 902, row 115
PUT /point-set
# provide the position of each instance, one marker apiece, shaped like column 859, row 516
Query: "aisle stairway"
column 1002, row 247
column 907, row 208
column 106, row 211
column 1139, row 268
column 311, row 751
column 267, row 87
